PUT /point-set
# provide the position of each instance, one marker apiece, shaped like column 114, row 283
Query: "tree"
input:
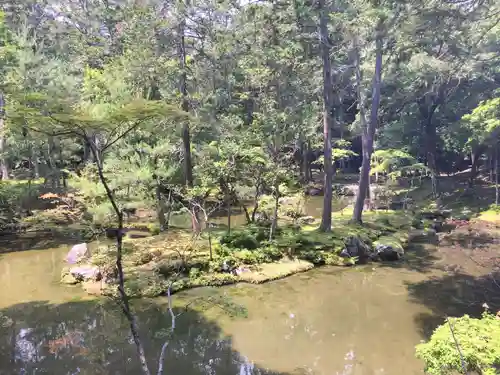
column 368, row 125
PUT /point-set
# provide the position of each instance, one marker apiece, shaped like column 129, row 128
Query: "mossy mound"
column 273, row 271
column 176, row 260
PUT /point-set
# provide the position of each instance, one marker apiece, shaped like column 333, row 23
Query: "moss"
column 391, row 241
column 151, row 264
column 273, row 271
column 213, row 279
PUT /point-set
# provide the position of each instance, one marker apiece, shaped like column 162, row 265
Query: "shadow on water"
column 39, row 240
column 88, row 337
column 454, row 295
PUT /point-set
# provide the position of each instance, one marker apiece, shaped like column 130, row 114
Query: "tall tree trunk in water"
column 368, row 128
column 186, row 132
column 4, row 168
column 328, row 119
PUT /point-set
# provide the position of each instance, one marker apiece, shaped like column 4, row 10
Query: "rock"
column 437, row 225
column 432, row 215
column 389, row 252
column 240, row 270
column 355, row 247
column 68, row 279
column 77, row 253
column 85, row 273
column 313, row 191
column 306, row 220
column 421, row 234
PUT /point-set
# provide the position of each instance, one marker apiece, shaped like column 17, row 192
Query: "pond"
column 327, row 321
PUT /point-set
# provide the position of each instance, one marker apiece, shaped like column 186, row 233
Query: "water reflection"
column 92, row 338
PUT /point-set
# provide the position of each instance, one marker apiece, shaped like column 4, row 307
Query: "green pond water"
column 363, row 320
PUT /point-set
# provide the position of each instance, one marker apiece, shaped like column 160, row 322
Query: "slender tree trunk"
column 228, row 208
column 496, row 174
column 124, row 299
column 304, row 161
column 160, row 207
column 491, row 163
column 186, row 131
column 255, row 202
column 369, row 129
column 328, row 119
column 274, row 222
column 34, row 162
column 475, row 156
column 4, row 167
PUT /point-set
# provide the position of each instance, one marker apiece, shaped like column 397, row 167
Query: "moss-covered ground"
column 177, row 260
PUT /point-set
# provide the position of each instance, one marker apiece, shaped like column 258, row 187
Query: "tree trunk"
column 496, row 174
column 475, row 156
column 328, row 119
column 4, row 168
column 274, row 222
column 186, row 132
column 160, row 208
column 368, row 129
column 304, row 161
column 228, row 208
column 124, row 298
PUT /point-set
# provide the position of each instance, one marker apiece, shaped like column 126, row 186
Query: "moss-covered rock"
column 68, row 279
column 389, row 248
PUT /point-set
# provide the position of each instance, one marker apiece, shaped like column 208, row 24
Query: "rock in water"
column 77, row 253
column 85, row 273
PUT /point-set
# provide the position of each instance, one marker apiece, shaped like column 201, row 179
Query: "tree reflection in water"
column 87, row 337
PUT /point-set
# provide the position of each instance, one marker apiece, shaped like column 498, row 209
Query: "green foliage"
column 240, row 240
column 483, row 123
column 478, row 340
column 395, row 163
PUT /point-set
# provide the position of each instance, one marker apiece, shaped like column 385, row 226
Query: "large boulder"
column 77, row 253
column 85, row 273
column 356, row 247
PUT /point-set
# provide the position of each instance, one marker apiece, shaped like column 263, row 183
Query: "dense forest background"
column 151, row 108
column 177, row 102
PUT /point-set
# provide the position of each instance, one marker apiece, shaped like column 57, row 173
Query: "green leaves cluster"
column 478, row 341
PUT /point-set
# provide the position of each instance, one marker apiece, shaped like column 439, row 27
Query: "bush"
column 479, row 342
column 154, row 229
column 240, row 240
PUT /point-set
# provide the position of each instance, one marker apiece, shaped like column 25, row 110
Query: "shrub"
column 478, row 340
column 154, row 229
column 240, row 240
